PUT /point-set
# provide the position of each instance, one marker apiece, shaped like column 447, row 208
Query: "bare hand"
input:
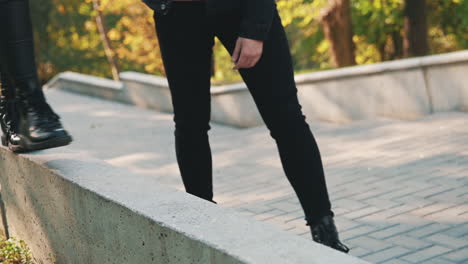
column 247, row 53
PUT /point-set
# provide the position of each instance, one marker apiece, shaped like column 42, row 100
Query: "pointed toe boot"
column 324, row 232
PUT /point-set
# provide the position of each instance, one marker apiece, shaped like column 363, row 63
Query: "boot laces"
column 46, row 118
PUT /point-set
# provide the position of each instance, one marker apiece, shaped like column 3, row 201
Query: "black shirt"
column 256, row 15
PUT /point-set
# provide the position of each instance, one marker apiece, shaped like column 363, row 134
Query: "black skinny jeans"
column 186, row 37
column 17, row 58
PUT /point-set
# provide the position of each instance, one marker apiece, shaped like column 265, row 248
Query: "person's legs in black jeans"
column 18, row 37
column 271, row 83
column 186, row 40
column 186, row 47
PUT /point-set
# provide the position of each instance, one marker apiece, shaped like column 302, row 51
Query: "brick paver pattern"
column 398, row 188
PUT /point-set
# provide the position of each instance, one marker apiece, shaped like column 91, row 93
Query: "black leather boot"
column 38, row 126
column 324, row 232
column 4, row 116
column 7, row 111
column 9, row 138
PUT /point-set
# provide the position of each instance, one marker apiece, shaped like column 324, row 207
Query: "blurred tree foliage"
column 67, row 37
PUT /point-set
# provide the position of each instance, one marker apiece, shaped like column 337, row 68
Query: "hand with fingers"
column 247, row 53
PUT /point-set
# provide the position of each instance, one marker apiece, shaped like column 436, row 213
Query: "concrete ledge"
column 395, row 94
column 447, row 86
column 385, row 67
column 73, row 209
column 230, row 104
column 89, row 85
column 147, row 91
column 404, row 89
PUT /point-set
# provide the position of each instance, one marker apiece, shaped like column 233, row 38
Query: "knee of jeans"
column 287, row 122
column 191, row 130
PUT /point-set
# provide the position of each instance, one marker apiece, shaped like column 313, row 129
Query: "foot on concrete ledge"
column 324, row 232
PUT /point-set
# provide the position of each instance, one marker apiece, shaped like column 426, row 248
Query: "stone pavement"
column 399, row 188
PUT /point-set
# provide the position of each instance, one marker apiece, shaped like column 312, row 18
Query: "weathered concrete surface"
column 73, row 209
column 89, row 85
column 398, row 188
column 400, row 95
column 404, row 89
column 234, row 107
column 448, row 87
column 147, row 91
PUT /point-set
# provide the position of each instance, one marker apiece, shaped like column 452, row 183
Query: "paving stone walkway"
column 399, row 188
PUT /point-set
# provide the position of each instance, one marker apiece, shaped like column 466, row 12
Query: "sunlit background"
column 68, row 36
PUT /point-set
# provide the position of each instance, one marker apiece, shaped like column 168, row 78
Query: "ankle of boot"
column 315, row 220
column 29, row 89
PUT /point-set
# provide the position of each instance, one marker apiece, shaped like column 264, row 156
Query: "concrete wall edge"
column 219, row 232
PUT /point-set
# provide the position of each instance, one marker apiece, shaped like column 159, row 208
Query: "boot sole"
column 28, row 146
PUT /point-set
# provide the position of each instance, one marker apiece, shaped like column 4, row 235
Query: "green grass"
column 13, row 251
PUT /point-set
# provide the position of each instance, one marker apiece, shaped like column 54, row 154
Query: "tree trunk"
column 110, row 54
column 337, row 26
column 397, row 42
column 415, row 42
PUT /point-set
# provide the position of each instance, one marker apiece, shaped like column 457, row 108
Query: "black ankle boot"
column 7, row 103
column 38, row 126
column 324, row 232
column 9, row 137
